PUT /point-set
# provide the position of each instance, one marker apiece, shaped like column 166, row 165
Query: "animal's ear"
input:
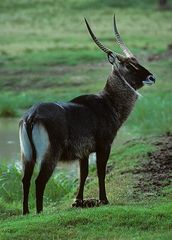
column 111, row 57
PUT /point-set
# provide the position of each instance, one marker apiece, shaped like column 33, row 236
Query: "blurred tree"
column 162, row 4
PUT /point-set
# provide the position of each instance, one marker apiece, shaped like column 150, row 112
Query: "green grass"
column 125, row 218
column 58, row 187
column 46, row 54
column 130, row 222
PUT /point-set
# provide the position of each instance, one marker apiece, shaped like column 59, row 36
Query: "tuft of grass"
column 58, row 187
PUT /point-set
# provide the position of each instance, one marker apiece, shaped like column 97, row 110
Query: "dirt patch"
column 40, row 78
column 156, row 172
column 161, row 56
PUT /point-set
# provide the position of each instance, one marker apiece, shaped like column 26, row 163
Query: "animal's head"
column 127, row 66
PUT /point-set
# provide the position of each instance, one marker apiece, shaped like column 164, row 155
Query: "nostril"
column 151, row 78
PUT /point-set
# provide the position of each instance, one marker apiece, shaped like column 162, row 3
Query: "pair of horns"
column 119, row 40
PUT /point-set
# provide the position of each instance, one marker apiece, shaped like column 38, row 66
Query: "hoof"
column 25, row 212
column 87, row 203
column 103, row 202
column 90, row 203
column 77, row 203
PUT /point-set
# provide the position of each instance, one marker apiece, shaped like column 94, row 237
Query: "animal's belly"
column 78, row 149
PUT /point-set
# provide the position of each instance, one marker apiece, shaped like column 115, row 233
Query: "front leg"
column 102, row 155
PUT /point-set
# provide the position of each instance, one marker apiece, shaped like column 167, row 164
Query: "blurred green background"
column 46, row 54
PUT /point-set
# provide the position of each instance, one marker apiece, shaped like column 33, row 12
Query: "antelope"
column 54, row 131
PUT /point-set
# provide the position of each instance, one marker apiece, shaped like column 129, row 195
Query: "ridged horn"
column 99, row 44
column 121, row 43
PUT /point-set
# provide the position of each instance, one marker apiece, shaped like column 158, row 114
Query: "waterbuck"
column 52, row 132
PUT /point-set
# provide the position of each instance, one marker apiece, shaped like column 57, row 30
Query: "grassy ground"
column 128, row 217
column 46, row 55
column 105, row 223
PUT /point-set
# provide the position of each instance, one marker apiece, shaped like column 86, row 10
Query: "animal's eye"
column 128, row 66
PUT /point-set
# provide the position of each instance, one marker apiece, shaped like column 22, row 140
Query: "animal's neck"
column 121, row 96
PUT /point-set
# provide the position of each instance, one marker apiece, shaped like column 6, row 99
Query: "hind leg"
column 28, row 167
column 47, row 167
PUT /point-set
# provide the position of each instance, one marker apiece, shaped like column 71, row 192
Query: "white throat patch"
column 136, row 92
